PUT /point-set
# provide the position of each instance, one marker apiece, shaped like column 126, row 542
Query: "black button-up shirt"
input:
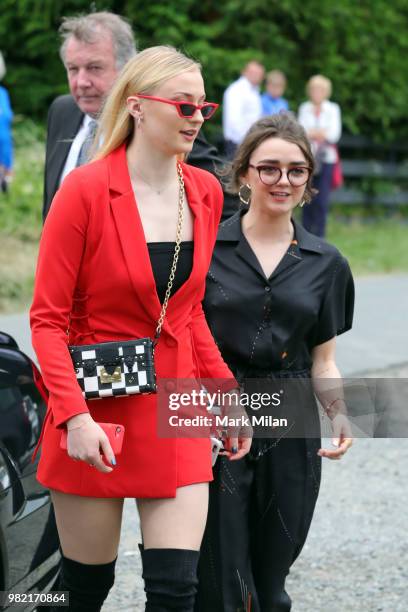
column 272, row 324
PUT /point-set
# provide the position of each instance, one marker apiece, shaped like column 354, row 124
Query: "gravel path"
column 356, row 555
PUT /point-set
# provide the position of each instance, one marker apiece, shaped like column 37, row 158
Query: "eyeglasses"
column 186, row 110
column 270, row 175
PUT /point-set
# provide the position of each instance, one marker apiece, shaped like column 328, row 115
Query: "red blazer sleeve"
column 61, row 249
column 210, row 361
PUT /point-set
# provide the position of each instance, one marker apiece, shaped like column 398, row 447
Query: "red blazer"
column 94, row 283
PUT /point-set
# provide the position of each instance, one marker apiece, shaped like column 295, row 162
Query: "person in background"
column 272, row 99
column 321, row 119
column 242, row 105
column 276, row 298
column 94, row 49
column 6, row 141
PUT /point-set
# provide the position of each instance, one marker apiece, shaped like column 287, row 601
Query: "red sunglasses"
column 186, row 110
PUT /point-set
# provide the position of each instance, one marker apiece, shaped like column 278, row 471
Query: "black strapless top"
column 161, row 258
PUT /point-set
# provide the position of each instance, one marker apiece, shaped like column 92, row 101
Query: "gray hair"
column 87, row 29
column 2, row 66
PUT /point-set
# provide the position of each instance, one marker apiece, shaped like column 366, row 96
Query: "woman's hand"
column 238, row 437
column 85, row 441
column 237, row 447
column 342, row 438
column 328, row 386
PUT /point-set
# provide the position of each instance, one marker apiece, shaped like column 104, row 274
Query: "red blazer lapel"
column 132, row 238
column 131, row 234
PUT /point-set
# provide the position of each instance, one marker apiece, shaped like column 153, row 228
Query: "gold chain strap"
column 180, row 219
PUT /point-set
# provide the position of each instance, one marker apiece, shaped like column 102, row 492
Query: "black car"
column 29, row 555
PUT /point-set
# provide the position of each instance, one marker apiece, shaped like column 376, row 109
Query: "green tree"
column 361, row 46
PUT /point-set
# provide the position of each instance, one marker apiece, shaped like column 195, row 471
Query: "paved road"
column 355, row 559
column 379, row 336
column 378, row 339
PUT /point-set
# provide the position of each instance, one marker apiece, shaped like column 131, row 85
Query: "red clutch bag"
column 114, row 432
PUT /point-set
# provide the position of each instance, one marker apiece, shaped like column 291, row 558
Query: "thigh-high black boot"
column 170, row 576
column 88, row 585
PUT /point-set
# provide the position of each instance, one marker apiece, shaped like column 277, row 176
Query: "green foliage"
column 361, row 46
column 373, row 246
column 20, row 210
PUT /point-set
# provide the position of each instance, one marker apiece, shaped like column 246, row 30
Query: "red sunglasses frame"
column 178, row 103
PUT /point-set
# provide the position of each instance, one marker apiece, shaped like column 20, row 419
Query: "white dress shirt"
column 329, row 119
column 242, row 106
column 72, row 158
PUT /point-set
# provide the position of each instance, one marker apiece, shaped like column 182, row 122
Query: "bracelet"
column 77, row 427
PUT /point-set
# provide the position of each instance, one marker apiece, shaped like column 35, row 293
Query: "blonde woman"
column 321, row 119
column 103, row 267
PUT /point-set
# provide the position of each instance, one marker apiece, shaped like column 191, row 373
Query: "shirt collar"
column 248, row 83
column 230, row 231
column 87, row 120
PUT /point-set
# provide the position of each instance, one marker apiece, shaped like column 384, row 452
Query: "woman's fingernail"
column 234, row 450
column 113, row 461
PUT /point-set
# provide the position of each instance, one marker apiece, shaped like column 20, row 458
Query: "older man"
column 94, row 49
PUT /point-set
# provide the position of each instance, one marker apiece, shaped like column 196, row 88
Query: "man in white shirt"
column 242, row 105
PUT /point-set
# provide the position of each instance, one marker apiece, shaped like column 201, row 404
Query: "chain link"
column 180, row 220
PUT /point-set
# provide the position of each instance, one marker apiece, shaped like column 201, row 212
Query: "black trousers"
column 259, row 516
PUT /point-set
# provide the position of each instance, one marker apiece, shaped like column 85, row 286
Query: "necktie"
column 83, row 156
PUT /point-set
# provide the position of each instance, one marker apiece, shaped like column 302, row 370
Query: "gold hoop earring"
column 241, row 197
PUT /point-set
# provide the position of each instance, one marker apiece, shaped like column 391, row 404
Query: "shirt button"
column 267, row 289
column 171, row 343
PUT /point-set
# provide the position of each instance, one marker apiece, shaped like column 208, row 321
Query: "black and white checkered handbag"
column 114, row 369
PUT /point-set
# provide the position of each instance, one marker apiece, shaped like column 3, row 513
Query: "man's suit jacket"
column 94, row 278
column 64, row 121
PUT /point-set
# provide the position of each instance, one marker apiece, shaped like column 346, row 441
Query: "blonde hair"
column 143, row 74
column 321, row 81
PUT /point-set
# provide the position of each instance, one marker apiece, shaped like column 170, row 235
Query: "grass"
column 20, row 219
column 373, row 244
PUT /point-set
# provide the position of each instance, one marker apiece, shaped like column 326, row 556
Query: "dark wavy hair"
column 282, row 125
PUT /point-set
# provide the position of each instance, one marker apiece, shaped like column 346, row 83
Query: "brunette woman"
column 276, row 298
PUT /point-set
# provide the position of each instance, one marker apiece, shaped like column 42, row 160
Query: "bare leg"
column 88, row 527
column 177, row 522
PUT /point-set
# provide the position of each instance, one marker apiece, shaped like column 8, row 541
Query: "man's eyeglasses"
column 270, row 175
column 186, row 110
